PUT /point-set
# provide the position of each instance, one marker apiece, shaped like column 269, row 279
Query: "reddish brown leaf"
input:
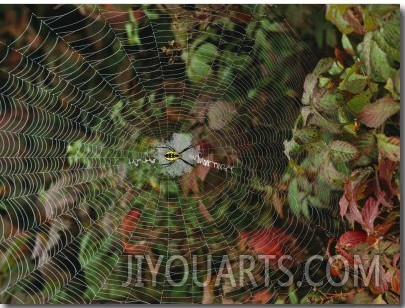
column 386, row 170
column 261, row 297
column 204, row 211
column 379, row 231
column 375, row 114
column 355, row 18
column 380, row 284
column 396, row 282
column 339, row 56
column 130, row 221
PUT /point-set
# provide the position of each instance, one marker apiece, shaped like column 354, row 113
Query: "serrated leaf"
column 357, row 102
column 342, row 151
column 333, row 176
column 323, row 66
column 329, row 102
column 352, row 238
column 310, row 84
column 355, row 83
column 375, row 59
column 329, row 126
column 370, row 213
column 389, row 39
column 374, row 115
column 307, row 135
column 296, row 198
column 389, row 147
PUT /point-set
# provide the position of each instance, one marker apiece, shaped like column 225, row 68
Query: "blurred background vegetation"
column 303, row 101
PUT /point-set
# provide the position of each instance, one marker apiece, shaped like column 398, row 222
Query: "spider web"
column 92, row 98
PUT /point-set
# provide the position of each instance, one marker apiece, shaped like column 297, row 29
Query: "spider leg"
column 167, row 147
column 186, row 149
column 168, row 164
column 186, row 162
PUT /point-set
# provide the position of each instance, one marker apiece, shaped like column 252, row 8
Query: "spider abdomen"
column 171, row 155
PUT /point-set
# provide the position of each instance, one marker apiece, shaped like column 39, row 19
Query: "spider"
column 172, row 155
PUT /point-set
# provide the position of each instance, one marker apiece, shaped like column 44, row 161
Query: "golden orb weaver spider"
column 172, row 155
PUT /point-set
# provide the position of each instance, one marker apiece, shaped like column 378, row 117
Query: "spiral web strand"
column 89, row 98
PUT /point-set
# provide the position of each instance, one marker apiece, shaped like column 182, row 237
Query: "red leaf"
column 130, row 221
column 272, row 241
column 129, row 224
column 370, row 213
column 351, row 238
column 348, row 240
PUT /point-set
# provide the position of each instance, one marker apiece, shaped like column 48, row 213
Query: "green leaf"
column 323, row 66
column 206, row 52
column 272, row 26
column 201, row 61
column 389, row 39
column 347, row 46
column 307, row 135
column 292, row 295
column 201, row 69
column 375, row 60
column 393, row 85
column 336, row 69
column 374, row 115
column 357, row 102
column 335, row 13
column 297, row 193
column 328, row 125
column 342, row 151
column 389, row 147
column 355, row 83
column 379, row 300
column 323, row 81
column 330, row 101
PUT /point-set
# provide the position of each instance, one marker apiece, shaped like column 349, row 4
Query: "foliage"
column 346, row 139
